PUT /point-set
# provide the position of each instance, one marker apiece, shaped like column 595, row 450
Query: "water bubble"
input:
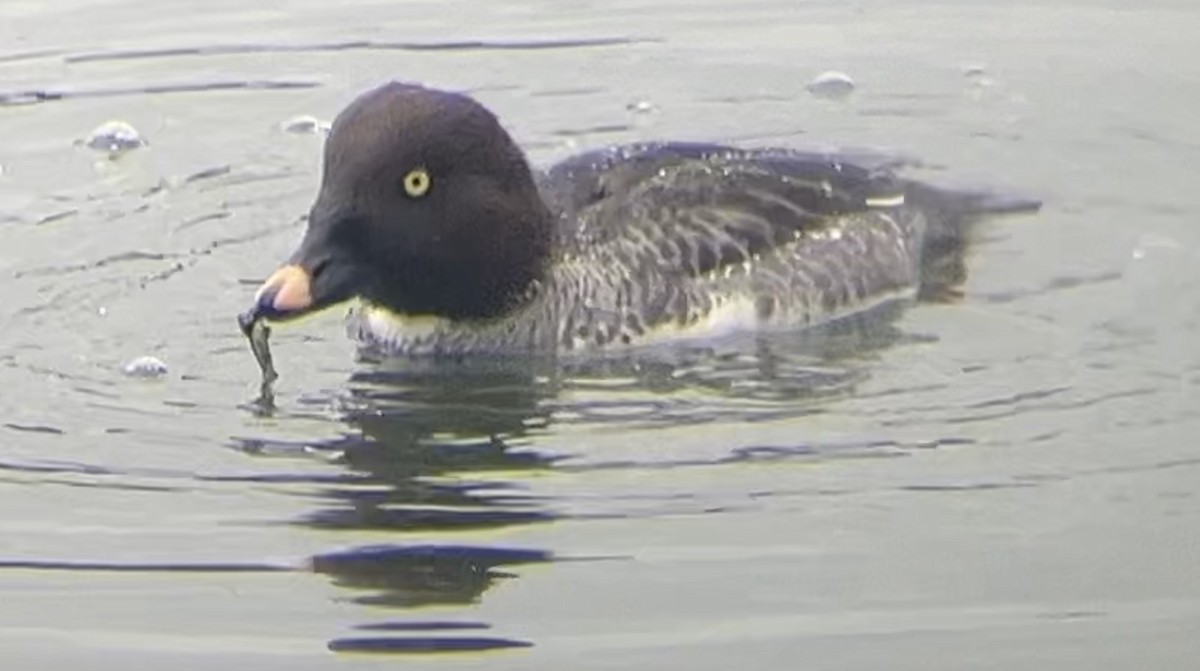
column 641, row 107
column 831, row 84
column 115, row 137
column 304, row 125
column 146, row 367
column 974, row 70
column 1153, row 243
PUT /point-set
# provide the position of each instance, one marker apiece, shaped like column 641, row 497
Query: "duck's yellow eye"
column 417, row 182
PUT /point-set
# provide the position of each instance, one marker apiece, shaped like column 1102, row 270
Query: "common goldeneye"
column 430, row 213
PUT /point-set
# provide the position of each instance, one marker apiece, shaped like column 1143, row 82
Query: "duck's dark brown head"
column 426, row 206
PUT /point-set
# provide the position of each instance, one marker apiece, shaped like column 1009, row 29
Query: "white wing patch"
column 886, row 201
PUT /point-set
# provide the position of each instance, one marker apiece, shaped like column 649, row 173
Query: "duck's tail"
column 950, row 213
column 964, row 204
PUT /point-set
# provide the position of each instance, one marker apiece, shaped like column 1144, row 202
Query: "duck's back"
column 662, row 238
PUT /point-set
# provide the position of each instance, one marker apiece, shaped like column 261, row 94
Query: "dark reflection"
column 431, row 644
column 423, row 575
column 411, row 429
column 34, row 428
column 419, row 445
column 433, row 447
column 414, row 506
column 407, row 577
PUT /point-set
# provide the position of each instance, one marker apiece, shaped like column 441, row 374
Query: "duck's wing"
column 668, row 235
column 602, row 178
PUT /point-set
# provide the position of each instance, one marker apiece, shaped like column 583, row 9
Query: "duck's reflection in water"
column 406, row 577
column 421, row 445
column 439, row 447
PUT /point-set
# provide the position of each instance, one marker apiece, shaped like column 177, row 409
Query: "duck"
column 432, row 218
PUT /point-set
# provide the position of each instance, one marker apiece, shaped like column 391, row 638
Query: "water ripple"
column 356, row 45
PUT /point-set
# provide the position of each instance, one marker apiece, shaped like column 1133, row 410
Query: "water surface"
column 1005, row 480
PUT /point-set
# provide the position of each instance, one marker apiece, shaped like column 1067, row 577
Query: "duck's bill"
column 286, row 294
column 289, row 293
column 310, row 282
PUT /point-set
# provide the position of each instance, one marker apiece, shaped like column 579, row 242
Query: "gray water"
column 1002, row 481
